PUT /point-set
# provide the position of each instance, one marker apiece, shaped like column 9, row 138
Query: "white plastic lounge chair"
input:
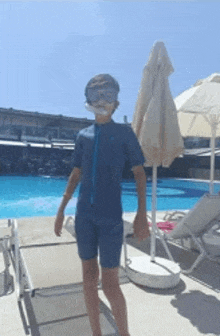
column 43, row 261
column 48, row 267
column 193, row 224
column 197, row 222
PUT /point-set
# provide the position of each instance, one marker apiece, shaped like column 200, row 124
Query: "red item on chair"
column 166, row 226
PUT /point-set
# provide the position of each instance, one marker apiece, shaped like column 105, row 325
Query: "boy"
column 99, row 158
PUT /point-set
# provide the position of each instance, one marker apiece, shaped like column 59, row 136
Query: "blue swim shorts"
column 99, row 236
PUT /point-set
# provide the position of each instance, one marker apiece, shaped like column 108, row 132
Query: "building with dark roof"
column 39, row 127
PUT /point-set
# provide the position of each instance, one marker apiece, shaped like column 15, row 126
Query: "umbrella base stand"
column 161, row 273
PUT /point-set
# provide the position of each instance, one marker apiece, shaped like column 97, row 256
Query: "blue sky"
column 49, row 50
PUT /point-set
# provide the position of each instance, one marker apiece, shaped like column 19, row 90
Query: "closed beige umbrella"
column 155, row 120
column 199, row 113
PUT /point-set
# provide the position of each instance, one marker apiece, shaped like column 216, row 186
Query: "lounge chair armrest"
column 174, row 216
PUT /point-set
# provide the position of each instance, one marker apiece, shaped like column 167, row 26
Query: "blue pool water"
column 40, row 196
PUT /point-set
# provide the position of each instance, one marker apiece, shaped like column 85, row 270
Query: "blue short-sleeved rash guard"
column 101, row 151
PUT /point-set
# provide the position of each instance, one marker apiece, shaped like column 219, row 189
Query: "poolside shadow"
column 201, row 309
column 207, row 272
column 63, row 314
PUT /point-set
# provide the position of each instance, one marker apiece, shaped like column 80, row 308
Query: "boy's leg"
column 90, row 288
column 112, row 290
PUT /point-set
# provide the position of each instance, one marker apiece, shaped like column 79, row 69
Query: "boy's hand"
column 141, row 226
column 58, row 224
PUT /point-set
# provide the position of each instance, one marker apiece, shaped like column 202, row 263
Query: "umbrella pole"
column 154, row 208
column 212, row 165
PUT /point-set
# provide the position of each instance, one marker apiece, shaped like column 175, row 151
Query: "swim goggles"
column 109, row 94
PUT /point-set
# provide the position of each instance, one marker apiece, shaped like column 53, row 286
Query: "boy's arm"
column 141, row 227
column 71, row 186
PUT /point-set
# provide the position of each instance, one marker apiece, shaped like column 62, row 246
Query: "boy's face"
column 105, row 102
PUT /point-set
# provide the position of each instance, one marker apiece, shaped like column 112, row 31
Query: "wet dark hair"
column 100, row 82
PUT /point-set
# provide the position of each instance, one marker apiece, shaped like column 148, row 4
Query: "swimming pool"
column 26, row 196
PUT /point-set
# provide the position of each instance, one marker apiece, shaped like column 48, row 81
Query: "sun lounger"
column 195, row 224
column 48, row 267
column 42, row 260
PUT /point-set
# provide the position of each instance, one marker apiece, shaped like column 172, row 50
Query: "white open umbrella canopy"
column 155, row 120
column 199, row 113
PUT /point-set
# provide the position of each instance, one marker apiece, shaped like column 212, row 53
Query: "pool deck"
column 191, row 308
